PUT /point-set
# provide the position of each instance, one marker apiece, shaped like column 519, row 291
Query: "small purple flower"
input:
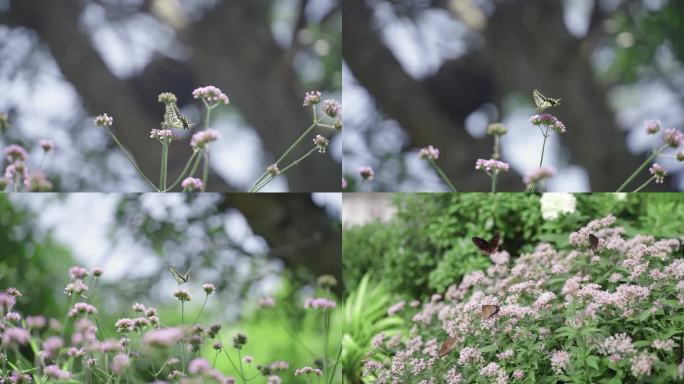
column 559, row 361
column 248, row 359
column 211, row 94
column 81, row 309
column 344, row 183
column 13, row 317
column 124, row 325
column 548, row 120
column 77, row 272
column 54, row 372
column 208, row 288
column 104, row 120
column 538, row 175
column 162, row 134
column 312, row 98
column 163, row 338
column 273, row 170
column 182, row 294
column 492, row 165
column 192, row 184
column 652, row 127
column 366, row 173
column 319, row 303
column 120, row 363
column 659, row 172
column 201, row 139
column 199, row 366
column 15, row 152
column 7, row 301
column 332, row 108
column 14, row 335
column 47, row 145
column 321, row 143
column 98, row 271
column 429, row 153
column 308, row 371
column 673, row 137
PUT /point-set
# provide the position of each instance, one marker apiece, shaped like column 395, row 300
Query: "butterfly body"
column 180, row 279
column 542, row 102
column 173, row 118
column 488, row 247
column 593, row 242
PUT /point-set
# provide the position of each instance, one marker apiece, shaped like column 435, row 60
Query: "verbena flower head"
column 7, row 301
column 38, row 182
column 13, row 292
column 496, row 129
column 321, row 143
column 182, row 294
column 15, row 152
column 162, row 338
column 267, row 302
column 78, row 273
column 366, row 172
column 659, row 172
column 162, row 134
column 120, row 363
column 98, row 271
column 239, row 340
column 124, row 325
column 337, row 124
column 312, row 98
column 208, row 288
column 673, row 137
column 492, row 166
column 652, row 127
column 211, row 95
column 308, row 371
column 559, row 361
column 429, row 153
column 55, row 372
column 167, row 97
column 538, row 175
column 548, row 120
column 642, row 364
column 104, row 120
column 14, row 336
column 319, row 303
column 332, row 108
column 326, row 281
column 680, row 156
column 344, row 183
column 273, row 170
column 82, row 309
column 201, row 139
column 47, row 145
column 192, row 184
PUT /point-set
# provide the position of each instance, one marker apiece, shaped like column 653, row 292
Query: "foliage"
column 566, row 313
column 427, row 246
column 365, row 315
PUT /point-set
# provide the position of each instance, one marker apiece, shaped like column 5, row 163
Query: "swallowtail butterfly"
column 173, row 118
column 180, row 279
column 544, row 102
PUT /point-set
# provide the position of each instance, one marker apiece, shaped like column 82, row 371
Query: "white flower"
column 554, row 204
column 620, row 196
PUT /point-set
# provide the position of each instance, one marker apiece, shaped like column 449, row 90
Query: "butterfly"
column 173, row 118
column 180, row 279
column 593, row 242
column 488, row 247
column 487, row 311
column 544, row 102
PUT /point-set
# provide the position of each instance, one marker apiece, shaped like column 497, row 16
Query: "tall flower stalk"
column 547, row 124
column 332, row 113
column 672, row 138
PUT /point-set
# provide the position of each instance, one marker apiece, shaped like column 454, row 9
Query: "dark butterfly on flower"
column 544, row 102
column 173, row 118
column 593, row 242
column 180, row 279
column 488, row 247
column 489, row 310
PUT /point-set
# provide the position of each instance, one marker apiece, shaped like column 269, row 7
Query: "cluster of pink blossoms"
column 211, row 95
column 17, row 173
column 492, row 165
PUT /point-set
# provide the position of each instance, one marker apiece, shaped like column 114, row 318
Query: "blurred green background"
column 248, row 246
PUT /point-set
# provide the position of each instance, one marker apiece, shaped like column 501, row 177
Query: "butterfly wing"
column 593, row 242
column 489, row 310
column 495, row 241
column 447, row 346
column 186, row 277
column 542, row 102
column 183, row 122
column 176, row 275
column 483, row 245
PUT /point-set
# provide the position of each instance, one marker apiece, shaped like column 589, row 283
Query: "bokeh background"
column 248, row 246
column 63, row 63
column 439, row 71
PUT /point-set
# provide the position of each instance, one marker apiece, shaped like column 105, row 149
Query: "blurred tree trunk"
column 233, row 48
column 300, row 232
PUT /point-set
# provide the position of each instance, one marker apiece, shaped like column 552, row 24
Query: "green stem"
column 641, row 168
column 182, row 341
column 201, row 310
column 180, row 178
column 205, row 171
column 642, row 186
column 226, row 353
column 263, row 183
column 494, row 181
column 326, row 329
column 261, row 178
column 164, row 164
column 497, row 148
column 299, row 140
column 242, row 372
column 288, row 167
column 546, row 136
column 131, row 160
column 442, row 175
column 194, row 167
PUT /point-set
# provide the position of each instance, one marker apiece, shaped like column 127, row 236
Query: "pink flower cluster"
column 319, row 303
column 211, row 95
column 492, row 165
column 538, row 175
column 548, row 120
column 429, row 153
column 201, row 139
column 192, row 184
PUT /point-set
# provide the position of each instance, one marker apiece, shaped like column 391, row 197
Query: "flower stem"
column 546, row 136
column 442, row 175
column 641, row 168
column 326, row 329
column 130, row 158
column 187, row 165
column 263, row 184
column 494, row 181
column 201, row 310
column 642, row 186
column 182, row 341
column 164, row 164
column 205, row 171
